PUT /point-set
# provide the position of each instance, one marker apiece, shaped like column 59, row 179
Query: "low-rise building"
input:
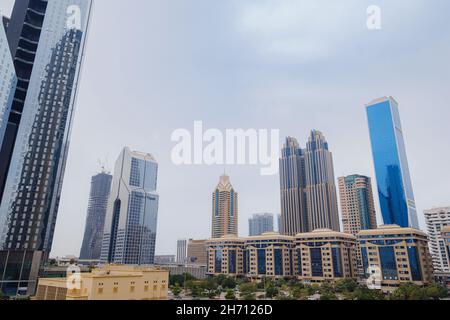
column 226, row 256
column 197, row 271
column 196, row 252
column 393, row 255
column 164, row 259
column 111, row 282
column 269, row 255
column 325, row 255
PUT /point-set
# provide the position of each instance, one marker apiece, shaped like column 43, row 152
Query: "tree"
column 228, row 283
column 346, row 285
column 180, row 279
column 408, row 291
column 328, row 296
column 271, row 291
column 247, row 288
column 364, row 293
column 230, row 295
column 436, row 292
column 176, row 290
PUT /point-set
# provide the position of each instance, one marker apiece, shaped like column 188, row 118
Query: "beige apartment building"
column 112, row 282
column 393, row 255
column 325, row 255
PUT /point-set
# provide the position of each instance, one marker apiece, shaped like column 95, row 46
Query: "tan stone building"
column 226, row 256
column 196, row 252
column 393, row 255
column 112, row 282
column 325, row 255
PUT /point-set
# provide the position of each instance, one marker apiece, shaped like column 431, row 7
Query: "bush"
column 230, row 295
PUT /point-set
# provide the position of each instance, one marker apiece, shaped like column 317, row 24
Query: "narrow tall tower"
column 358, row 208
column 395, row 189
column 225, row 209
column 320, row 190
column 131, row 219
column 47, row 40
column 294, row 218
column 95, row 221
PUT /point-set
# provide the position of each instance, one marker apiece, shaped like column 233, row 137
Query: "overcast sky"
column 155, row 66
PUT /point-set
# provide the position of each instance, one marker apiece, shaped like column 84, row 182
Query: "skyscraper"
column 224, row 209
column 320, row 189
column 8, row 81
column 260, row 223
column 358, row 208
column 391, row 164
column 292, row 183
column 95, row 221
column 181, row 251
column 308, row 190
column 47, row 40
column 131, row 219
column 437, row 220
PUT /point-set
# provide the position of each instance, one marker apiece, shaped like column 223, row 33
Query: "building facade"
column 321, row 196
column 181, row 251
column 95, row 221
column 437, row 220
column 393, row 255
column 325, row 255
column 260, row 223
column 161, row 260
column 269, row 255
column 226, row 256
column 308, row 189
column 395, row 189
column 196, row 252
column 47, row 49
column 358, row 208
column 292, row 187
column 130, row 225
column 224, row 209
column 8, row 82
column 108, row 283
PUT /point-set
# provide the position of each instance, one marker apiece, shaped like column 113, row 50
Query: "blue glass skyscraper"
column 391, row 165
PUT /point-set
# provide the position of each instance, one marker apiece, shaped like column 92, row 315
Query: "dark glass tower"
column 391, row 164
column 95, row 221
column 47, row 40
column 294, row 218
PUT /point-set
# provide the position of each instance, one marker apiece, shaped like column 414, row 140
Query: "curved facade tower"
column 47, row 40
column 95, row 221
column 131, row 219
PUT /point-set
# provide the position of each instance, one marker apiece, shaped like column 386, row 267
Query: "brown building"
column 224, row 209
column 196, row 252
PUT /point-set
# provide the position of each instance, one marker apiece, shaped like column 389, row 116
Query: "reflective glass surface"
column 391, row 166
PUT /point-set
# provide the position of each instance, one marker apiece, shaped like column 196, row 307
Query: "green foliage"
column 364, row 293
column 271, row 291
column 346, row 285
column 249, row 297
column 328, row 296
column 228, row 283
column 176, row 290
column 248, row 288
column 411, row 291
column 180, row 279
column 230, row 295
